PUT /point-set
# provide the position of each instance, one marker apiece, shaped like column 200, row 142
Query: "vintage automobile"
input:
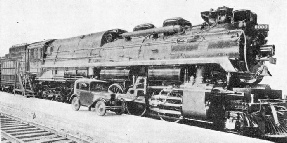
column 94, row 93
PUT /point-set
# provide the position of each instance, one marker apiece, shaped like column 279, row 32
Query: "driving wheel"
column 135, row 108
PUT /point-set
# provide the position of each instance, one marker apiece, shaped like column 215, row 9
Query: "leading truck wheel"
column 76, row 104
column 101, row 108
column 135, row 108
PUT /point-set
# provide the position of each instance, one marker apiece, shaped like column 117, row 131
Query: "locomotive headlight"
column 267, row 50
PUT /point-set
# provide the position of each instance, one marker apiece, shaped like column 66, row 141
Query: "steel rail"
column 17, row 131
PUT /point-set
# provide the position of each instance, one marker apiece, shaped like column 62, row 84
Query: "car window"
column 84, row 86
column 99, row 86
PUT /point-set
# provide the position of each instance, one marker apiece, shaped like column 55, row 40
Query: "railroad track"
column 15, row 130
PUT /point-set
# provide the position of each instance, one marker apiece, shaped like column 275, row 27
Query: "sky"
column 27, row 21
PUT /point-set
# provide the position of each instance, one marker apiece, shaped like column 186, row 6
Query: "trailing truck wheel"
column 76, row 104
column 100, row 108
column 135, row 108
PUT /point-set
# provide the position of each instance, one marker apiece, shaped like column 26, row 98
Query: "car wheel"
column 101, row 108
column 76, row 104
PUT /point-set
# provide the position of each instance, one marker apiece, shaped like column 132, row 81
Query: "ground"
column 112, row 127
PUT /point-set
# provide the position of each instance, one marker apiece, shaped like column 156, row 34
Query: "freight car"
column 13, row 70
column 209, row 72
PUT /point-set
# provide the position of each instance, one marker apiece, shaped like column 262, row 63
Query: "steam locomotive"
column 209, row 72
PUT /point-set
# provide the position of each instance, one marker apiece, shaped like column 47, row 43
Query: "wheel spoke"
column 116, row 88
